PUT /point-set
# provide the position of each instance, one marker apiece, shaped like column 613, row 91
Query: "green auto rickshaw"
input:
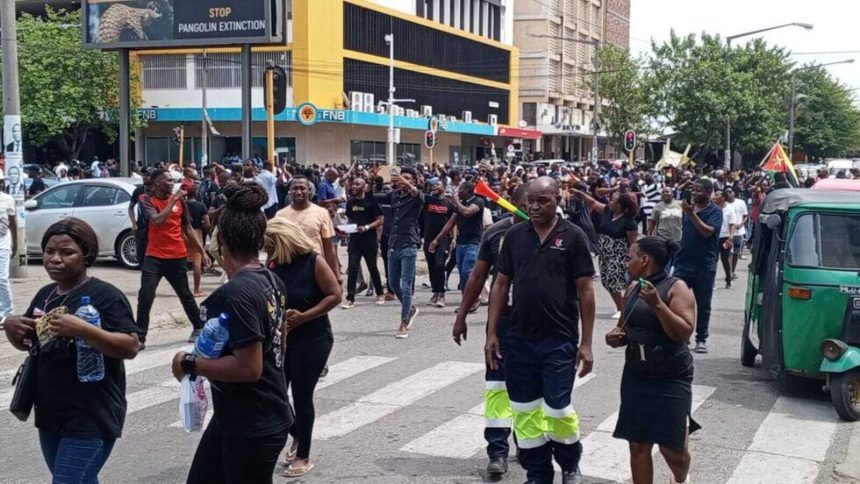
column 802, row 310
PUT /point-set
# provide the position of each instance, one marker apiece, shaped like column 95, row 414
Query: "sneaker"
column 734, row 277
column 729, row 284
column 701, row 347
column 402, row 331
column 361, row 287
column 425, row 284
column 433, row 299
column 324, row 372
column 616, row 315
column 571, row 477
column 380, row 300
column 389, row 296
column 411, row 319
column 497, row 467
column 141, row 345
column 369, row 292
column 347, row 304
column 440, row 301
column 194, row 335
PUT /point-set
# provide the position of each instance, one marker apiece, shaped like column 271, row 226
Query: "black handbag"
column 25, row 387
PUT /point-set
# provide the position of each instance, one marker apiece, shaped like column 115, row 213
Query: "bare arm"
column 585, row 288
column 158, row 218
column 632, row 235
column 498, row 301
column 120, row 346
column 331, row 256
column 652, row 227
column 471, row 293
column 463, row 210
column 449, row 225
column 590, row 201
column 678, row 317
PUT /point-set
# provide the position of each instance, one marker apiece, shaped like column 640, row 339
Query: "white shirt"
column 730, row 217
column 94, row 168
column 740, row 207
column 7, row 209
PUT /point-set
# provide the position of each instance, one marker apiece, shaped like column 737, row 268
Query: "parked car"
column 101, row 202
column 48, row 176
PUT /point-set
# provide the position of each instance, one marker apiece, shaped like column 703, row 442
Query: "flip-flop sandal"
column 293, row 471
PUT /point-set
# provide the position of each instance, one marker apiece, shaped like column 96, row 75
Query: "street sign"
column 629, row 140
column 429, row 139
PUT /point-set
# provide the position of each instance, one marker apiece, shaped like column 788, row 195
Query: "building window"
column 224, row 71
column 363, row 151
column 164, row 71
column 530, row 113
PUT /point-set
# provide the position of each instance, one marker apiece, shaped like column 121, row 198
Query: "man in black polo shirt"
column 497, row 404
column 406, row 202
column 437, row 212
column 469, row 218
column 364, row 212
column 548, row 262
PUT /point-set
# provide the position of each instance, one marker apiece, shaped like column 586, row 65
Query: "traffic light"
column 279, row 89
column 429, row 140
column 629, row 140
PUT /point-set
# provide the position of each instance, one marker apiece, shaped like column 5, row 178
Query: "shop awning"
column 509, row 132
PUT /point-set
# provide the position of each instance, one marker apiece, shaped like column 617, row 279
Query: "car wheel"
column 748, row 351
column 845, row 394
column 126, row 250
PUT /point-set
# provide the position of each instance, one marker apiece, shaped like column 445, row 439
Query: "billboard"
column 141, row 24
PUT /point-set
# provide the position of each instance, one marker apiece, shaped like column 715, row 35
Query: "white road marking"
column 163, row 392
column 792, row 440
column 392, row 397
column 606, row 457
column 337, row 373
column 462, row 437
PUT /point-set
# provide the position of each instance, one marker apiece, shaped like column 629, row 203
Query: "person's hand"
column 433, row 246
column 492, row 352
column 133, row 228
column 294, row 319
column 361, row 229
column 180, row 195
column 686, row 207
column 19, row 328
column 396, row 181
column 584, row 360
column 648, row 294
column 69, row 325
column 460, row 329
column 176, row 367
column 616, row 337
column 728, row 244
column 14, row 247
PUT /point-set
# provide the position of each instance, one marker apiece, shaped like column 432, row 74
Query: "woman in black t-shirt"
column 314, row 291
column 252, row 412
column 78, row 422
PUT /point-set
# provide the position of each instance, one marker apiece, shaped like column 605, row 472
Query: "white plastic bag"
column 193, row 403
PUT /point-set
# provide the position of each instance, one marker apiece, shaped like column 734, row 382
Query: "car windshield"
column 828, row 241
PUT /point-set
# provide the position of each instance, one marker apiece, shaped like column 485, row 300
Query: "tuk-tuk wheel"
column 748, row 351
column 845, row 394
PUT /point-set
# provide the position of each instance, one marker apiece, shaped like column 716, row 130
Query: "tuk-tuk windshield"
column 824, row 240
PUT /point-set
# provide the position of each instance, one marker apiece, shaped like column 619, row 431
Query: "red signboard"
column 520, row 133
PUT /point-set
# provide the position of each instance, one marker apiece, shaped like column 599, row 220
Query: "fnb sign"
column 332, row 115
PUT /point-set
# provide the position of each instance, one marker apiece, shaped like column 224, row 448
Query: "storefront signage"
column 520, row 133
column 148, row 114
column 140, row 24
column 308, row 115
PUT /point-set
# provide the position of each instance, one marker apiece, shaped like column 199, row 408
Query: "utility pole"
column 791, row 114
column 391, row 153
column 204, row 124
column 11, row 122
column 246, row 101
column 124, row 111
column 596, row 120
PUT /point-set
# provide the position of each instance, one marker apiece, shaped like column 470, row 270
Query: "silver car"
column 101, row 202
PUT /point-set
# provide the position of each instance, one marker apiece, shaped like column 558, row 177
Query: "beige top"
column 315, row 222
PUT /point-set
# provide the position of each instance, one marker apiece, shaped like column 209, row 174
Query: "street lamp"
column 391, row 153
column 794, row 99
column 728, row 151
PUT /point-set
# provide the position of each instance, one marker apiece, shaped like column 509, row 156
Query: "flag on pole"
column 777, row 160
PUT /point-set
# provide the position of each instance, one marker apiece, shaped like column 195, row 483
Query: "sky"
column 834, row 27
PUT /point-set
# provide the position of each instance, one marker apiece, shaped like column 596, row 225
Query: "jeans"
column 6, row 306
column 235, row 460
column 175, row 271
column 401, row 276
column 436, row 266
column 702, row 285
column 73, row 460
column 356, row 251
column 467, row 255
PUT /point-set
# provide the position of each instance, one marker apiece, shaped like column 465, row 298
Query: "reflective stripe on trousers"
column 497, row 406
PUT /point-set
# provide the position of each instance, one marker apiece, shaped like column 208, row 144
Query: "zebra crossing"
column 794, row 437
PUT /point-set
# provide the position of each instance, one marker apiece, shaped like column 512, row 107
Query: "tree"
column 625, row 91
column 700, row 85
column 66, row 91
column 827, row 122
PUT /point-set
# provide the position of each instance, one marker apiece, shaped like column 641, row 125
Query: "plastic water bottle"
column 213, row 338
column 91, row 363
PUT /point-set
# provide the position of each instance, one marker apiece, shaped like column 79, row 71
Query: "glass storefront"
column 362, row 151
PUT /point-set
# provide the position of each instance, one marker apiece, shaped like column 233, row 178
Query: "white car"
column 101, row 202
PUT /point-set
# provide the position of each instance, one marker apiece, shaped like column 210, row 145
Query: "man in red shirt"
column 166, row 255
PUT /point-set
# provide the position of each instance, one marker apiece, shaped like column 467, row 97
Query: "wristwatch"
column 188, row 363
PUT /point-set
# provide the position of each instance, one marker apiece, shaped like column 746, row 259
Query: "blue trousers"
column 467, row 255
column 401, row 276
column 702, row 285
column 73, row 460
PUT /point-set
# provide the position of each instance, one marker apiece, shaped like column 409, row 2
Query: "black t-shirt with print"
column 469, row 229
column 63, row 403
column 437, row 211
column 362, row 211
column 255, row 301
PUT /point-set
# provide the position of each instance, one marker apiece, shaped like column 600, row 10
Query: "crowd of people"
column 657, row 234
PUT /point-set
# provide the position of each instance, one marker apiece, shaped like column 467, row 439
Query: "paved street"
column 407, row 411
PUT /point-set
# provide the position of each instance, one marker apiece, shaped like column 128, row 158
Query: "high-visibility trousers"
column 497, row 405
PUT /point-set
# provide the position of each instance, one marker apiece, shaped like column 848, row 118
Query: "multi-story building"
column 557, row 41
column 453, row 57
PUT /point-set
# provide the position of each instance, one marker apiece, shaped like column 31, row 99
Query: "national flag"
column 777, row 160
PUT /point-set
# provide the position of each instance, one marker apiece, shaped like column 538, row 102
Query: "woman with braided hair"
column 252, row 411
